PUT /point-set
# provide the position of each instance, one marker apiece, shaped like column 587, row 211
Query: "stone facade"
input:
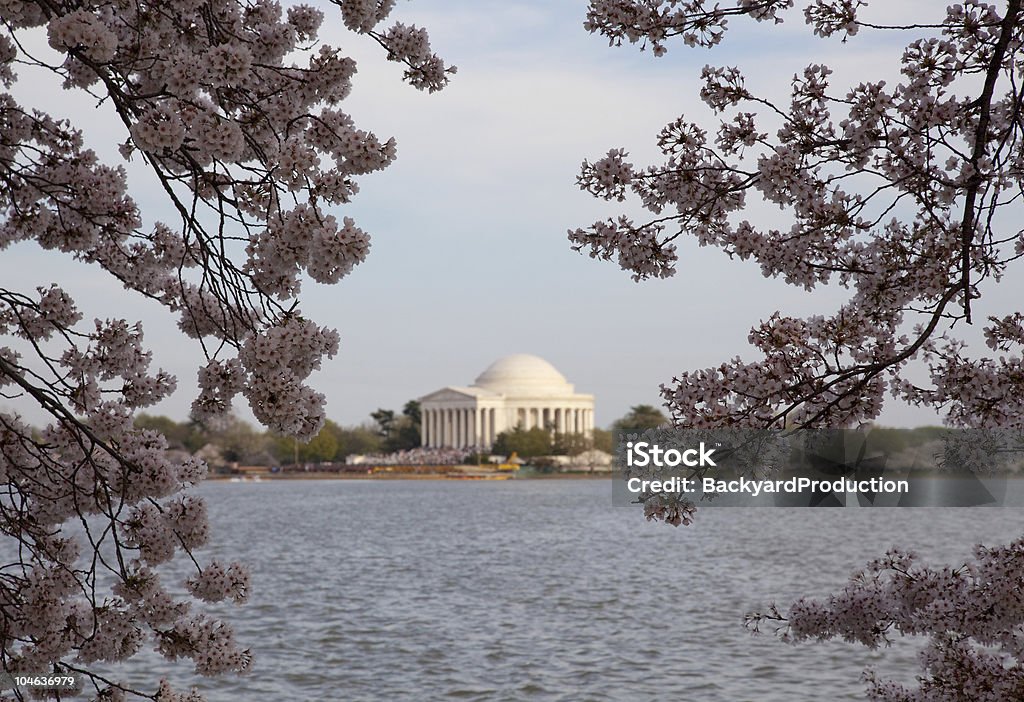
column 520, row 390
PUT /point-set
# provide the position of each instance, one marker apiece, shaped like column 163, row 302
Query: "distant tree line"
column 236, row 441
column 530, row 443
column 233, row 440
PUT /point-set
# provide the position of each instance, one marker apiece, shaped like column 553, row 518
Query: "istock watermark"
column 864, row 467
column 642, row 454
column 747, row 486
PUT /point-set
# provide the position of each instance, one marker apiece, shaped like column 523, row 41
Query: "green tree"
column 400, row 433
column 282, row 448
column 322, row 447
column 180, row 435
column 571, row 444
column 604, row 440
column 528, row 443
column 405, row 432
column 237, row 440
column 638, row 419
column 413, row 412
column 356, row 441
column 385, row 420
column 405, row 435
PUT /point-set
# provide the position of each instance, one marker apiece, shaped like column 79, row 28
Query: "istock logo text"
column 641, row 454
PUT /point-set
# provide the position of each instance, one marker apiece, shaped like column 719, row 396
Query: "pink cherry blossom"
column 907, row 195
column 235, row 109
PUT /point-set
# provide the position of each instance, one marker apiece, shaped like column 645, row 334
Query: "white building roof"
column 523, row 374
column 449, row 391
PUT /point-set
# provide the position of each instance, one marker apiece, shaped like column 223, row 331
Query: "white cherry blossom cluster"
column 306, row 239
column 234, row 109
column 219, row 382
column 970, row 618
column 166, row 693
column 217, row 582
column 277, row 363
column 364, row 15
column 974, row 392
column 831, row 16
column 637, row 249
column 916, row 243
column 1006, row 333
column 608, row 177
column 902, row 194
column 144, row 594
column 160, row 129
column 405, row 43
column 698, row 22
column 208, row 642
column 674, row 511
column 84, row 33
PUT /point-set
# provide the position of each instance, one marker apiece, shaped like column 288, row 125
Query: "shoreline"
column 448, row 477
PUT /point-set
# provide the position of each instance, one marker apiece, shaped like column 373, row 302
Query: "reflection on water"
column 542, row 590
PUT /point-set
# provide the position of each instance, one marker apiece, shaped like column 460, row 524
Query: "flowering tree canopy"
column 252, row 154
column 907, row 195
column 972, row 617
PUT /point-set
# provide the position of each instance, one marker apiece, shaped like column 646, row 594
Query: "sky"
column 470, row 259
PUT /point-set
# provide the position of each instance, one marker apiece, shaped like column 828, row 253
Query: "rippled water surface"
column 543, row 590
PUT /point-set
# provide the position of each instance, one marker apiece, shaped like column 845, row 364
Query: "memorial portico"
column 516, row 391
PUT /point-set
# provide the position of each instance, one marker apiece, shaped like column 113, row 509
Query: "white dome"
column 523, row 374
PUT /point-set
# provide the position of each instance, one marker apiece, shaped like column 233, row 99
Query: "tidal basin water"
column 543, row 590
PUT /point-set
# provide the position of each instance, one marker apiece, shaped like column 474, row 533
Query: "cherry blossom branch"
column 937, row 162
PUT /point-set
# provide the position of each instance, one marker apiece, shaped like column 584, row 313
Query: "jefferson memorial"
column 515, row 391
